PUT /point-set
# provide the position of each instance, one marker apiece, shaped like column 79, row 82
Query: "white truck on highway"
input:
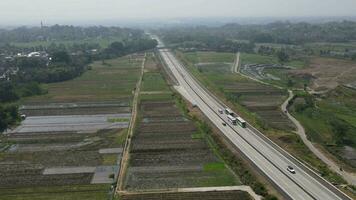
column 228, row 111
column 232, row 119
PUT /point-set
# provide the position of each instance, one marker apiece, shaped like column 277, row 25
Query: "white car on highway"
column 291, row 169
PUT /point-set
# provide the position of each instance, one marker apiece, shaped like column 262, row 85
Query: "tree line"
column 278, row 32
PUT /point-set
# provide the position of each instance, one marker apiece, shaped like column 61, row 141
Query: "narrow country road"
column 235, row 67
column 125, row 155
column 349, row 177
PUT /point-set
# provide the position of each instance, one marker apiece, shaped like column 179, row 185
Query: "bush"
column 8, row 116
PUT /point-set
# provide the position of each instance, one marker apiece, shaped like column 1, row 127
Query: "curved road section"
column 349, row 177
column 270, row 160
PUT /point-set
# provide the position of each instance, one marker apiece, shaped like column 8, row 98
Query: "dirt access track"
column 328, row 73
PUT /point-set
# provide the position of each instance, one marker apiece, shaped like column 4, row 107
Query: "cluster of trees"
column 65, row 33
column 278, row 32
column 116, row 49
column 195, row 39
column 8, row 116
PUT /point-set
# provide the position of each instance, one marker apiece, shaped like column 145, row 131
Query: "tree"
column 7, row 92
column 353, row 56
column 339, row 128
column 61, row 56
column 8, row 116
column 282, row 56
column 290, row 83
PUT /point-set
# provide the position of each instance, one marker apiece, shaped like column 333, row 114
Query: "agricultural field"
column 111, row 80
column 257, row 98
column 212, row 195
column 168, row 150
column 70, row 144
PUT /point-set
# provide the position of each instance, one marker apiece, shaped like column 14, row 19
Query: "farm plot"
column 63, row 158
column 69, row 146
column 211, row 195
column 82, row 108
column 111, row 80
column 260, row 99
column 164, row 153
column 79, row 123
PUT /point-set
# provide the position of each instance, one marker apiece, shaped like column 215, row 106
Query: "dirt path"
column 349, row 177
column 236, row 65
column 125, row 155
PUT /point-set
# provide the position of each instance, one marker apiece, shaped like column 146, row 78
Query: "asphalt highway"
column 271, row 161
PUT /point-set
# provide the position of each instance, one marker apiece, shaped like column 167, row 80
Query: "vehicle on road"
column 228, row 111
column 221, row 111
column 291, row 169
column 241, row 122
column 224, row 124
column 232, row 119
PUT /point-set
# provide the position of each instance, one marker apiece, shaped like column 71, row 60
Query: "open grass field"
column 113, row 80
column 154, row 82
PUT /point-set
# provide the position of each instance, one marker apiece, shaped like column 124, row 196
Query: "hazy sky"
column 57, row 11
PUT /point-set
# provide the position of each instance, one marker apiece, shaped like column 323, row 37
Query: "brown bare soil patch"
column 328, row 73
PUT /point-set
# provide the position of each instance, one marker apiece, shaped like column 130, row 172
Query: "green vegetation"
column 278, row 32
column 153, row 81
column 209, row 57
column 110, row 159
column 8, row 116
column 214, row 166
column 258, row 59
column 114, row 120
column 329, row 121
column 113, row 79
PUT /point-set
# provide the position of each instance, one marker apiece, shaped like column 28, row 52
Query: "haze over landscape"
column 23, row 12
